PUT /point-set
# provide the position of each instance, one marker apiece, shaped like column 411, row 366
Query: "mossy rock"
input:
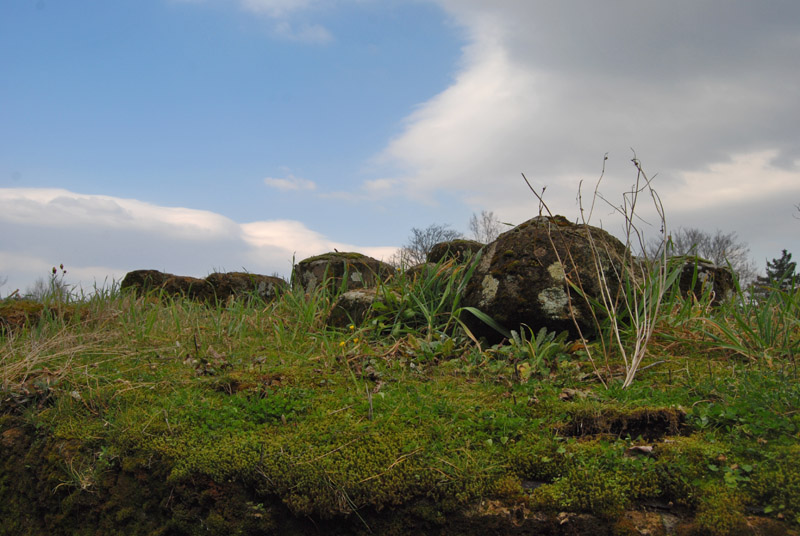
column 699, row 276
column 244, row 285
column 15, row 314
column 217, row 287
column 351, row 308
column 144, row 281
column 453, row 249
column 340, row 271
column 522, row 277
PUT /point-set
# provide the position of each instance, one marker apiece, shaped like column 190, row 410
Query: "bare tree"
column 484, row 228
column 420, row 243
column 720, row 248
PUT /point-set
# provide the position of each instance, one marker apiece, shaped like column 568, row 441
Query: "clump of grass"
column 425, row 301
column 762, row 326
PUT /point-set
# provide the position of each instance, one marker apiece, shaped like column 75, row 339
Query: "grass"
column 254, row 417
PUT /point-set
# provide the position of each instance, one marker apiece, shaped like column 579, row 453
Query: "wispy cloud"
column 281, row 12
column 289, row 183
column 314, row 34
column 276, row 8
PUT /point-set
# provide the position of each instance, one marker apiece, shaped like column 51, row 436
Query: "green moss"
column 775, row 484
column 121, row 431
column 334, row 256
column 585, row 489
column 720, row 510
column 681, row 465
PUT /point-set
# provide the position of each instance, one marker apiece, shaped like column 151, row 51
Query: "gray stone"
column 522, row 277
column 351, row 307
column 340, row 270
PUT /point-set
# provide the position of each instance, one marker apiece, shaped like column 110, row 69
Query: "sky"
column 193, row 136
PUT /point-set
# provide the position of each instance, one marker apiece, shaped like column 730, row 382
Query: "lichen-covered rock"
column 242, row 285
column 699, row 275
column 351, row 270
column 351, row 307
column 521, row 280
column 453, row 249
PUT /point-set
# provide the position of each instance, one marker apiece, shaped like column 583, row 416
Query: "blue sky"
column 198, row 135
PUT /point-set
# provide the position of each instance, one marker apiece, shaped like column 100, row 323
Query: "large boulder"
column 337, row 270
column 216, row 287
column 521, row 277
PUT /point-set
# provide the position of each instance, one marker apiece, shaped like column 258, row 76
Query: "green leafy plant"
column 425, row 302
column 538, row 351
column 758, row 326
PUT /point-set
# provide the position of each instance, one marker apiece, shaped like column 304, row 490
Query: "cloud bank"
column 547, row 88
column 100, row 238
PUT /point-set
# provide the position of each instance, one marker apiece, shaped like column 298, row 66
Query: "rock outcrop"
column 217, row 287
column 337, row 270
column 243, row 284
column 522, row 276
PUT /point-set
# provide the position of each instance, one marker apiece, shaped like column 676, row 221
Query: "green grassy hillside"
column 157, row 415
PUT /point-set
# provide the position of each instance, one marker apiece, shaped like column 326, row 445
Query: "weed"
column 631, row 289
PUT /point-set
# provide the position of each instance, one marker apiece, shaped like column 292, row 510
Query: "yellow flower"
column 341, row 343
column 355, row 340
column 352, row 327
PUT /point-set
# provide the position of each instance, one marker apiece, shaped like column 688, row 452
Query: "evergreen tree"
column 780, row 273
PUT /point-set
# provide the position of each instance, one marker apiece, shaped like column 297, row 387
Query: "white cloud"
column 548, row 88
column 290, row 183
column 40, row 207
column 282, row 11
column 380, row 185
column 301, row 242
column 747, row 177
column 100, row 238
column 704, row 92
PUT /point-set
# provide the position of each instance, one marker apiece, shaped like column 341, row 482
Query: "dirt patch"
column 648, row 423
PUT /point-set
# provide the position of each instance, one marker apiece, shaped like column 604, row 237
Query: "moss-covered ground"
column 132, row 414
